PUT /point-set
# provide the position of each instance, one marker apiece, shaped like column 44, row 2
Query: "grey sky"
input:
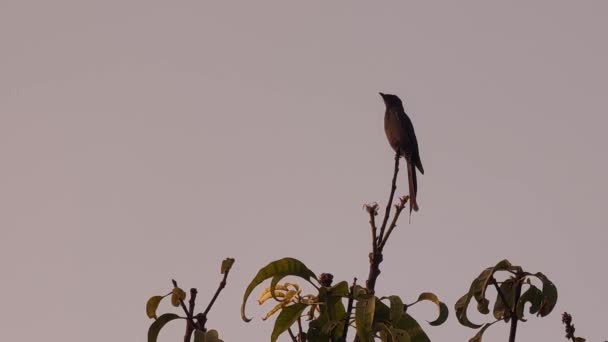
column 145, row 140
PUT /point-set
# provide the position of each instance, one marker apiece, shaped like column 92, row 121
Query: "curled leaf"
column 462, row 305
column 534, row 296
column 443, row 309
column 477, row 337
column 152, row 305
column 549, row 295
column 177, row 296
column 483, row 280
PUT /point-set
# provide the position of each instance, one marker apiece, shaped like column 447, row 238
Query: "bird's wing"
column 408, row 127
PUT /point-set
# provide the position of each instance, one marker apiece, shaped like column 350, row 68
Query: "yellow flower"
column 285, row 294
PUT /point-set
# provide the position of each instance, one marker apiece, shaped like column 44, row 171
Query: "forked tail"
column 413, row 183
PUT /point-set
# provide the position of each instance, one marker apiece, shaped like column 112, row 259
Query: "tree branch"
column 398, row 209
column 190, row 321
column 514, row 318
column 375, row 257
column 217, row 292
column 387, row 213
column 372, row 210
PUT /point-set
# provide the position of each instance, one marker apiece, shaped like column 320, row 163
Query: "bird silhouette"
column 400, row 134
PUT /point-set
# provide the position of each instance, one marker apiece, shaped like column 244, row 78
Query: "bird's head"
column 391, row 100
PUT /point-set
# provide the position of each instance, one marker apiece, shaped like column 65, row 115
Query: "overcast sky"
column 147, row 140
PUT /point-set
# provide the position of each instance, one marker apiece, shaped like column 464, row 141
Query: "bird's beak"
column 382, row 94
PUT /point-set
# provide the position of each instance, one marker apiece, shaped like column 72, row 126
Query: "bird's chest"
column 395, row 133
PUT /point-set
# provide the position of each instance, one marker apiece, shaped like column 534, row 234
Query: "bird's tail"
column 413, row 183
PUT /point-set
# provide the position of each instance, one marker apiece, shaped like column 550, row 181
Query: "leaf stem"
column 514, row 318
column 300, row 333
column 502, row 295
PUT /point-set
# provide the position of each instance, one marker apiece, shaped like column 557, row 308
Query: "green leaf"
column 360, row 292
column 329, row 327
column 549, row 295
column 390, row 334
column 158, row 324
column 409, row 324
column 336, row 312
column 382, row 312
column 152, row 305
column 314, row 333
column 288, row 316
column 502, row 310
column 477, row 337
column 534, row 296
column 364, row 318
column 283, row 267
column 401, row 335
column 331, row 311
column 462, row 305
column 227, row 265
column 177, row 296
column 397, row 308
column 443, row 309
column 199, row 336
column 340, row 289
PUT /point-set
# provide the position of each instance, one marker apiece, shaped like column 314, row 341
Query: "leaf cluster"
column 329, row 318
column 195, row 324
column 512, row 295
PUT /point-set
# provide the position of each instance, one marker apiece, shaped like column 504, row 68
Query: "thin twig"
column 190, row 327
column 502, row 295
column 301, row 332
column 514, row 318
column 217, row 292
column 293, row 337
column 387, row 213
column 398, row 209
column 372, row 209
column 190, row 324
